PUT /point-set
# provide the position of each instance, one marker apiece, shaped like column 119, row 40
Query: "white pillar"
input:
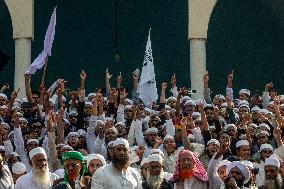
column 197, row 65
column 22, row 61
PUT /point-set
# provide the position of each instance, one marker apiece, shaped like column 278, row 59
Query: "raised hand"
column 206, row 79
column 5, row 87
column 15, row 94
column 173, row 81
column 83, row 75
column 108, row 76
column 123, row 95
column 230, row 79
column 268, row 86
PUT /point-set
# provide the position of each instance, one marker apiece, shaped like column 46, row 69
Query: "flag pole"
column 44, row 70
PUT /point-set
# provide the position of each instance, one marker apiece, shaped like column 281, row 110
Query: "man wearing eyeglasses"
column 155, row 174
column 75, row 168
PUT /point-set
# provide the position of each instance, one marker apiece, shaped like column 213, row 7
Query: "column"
column 22, row 61
column 197, row 65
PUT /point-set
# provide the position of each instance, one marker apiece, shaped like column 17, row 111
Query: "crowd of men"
column 108, row 139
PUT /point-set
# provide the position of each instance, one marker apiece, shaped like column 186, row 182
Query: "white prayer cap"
column 120, row 123
column 37, row 150
column 72, row 134
column 255, row 109
column 88, row 104
column 168, row 137
column 242, row 167
column 190, row 136
column 236, row 110
column 3, row 95
column 242, row 143
column 128, row 107
column 275, row 156
column 263, row 132
column 101, row 122
column 114, row 129
column 121, row 141
column 172, row 98
column 263, row 111
column 145, row 160
column 230, row 126
column 242, row 102
column 23, row 119
column 91, row 157
column 82, row 132
column 151, row 130
column 214, row 141
column 67, row 147
column 223, row 163
column 252, row 125
column 91, row 95
column 167, row 107
column 16, row 108
column 24, row 100
column 155, row 158
column 244, row 105
column 157, row 151
column 14, row 154
column 265, row 146
column 185, row 98
column 247, row 163
column 189, row 103
column 208, row 106
column 130, row 102
column 19, row 168
column 220, row 96
column 2, row 148
column 195, row 115
column 197, row 119
column 5, row 125
column 148, row 110
column 73, row 113
column 32, row 140
column 272, row 161
column 264, row 125
column 244, row 91
column 110, row 143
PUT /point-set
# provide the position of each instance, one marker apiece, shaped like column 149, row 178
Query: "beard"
column 273, row 183
column 154, row 181
column 120, row 162
column 41, row 176
column 185, row 174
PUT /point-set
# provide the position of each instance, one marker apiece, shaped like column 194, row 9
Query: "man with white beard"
column 155, row 174
column 273, row 179
column 39, row 177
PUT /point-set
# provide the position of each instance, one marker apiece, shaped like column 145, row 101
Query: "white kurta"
column 108, row 177
column 26, row 182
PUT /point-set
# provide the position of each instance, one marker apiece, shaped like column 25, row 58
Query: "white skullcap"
column 2, row 148
column 90, row 95
column 101, row 122
column 130, row 102
column 230, row 125
column 5, row 125
column 190, row 136
column 272, row 161
column 195, row 115
column 82, row 132
column 15, row 108
column 67, row 147
column 185, row 98
column 236, row 110
column 155, row 158
column 265, row 146
column 91, row 157
column 14, row 154
column 264, row 125
column 128, row 107
column 242, row 143
column 37, row 150
column 255, row 109
column 252, row 125
column 23, row 119
column 223, row 163
column 88, row 104
column 109, row 119
column 167, row 107
column 189, row 103
column 244, row 91
column 114, row 129
column 148, row 110
column 262, row 111
column 263, row 132
column 247, row 163
column 4, row 96
column 145, row 160
column 242, row 102
column 72, row 134
column 157, row 151
column 275, row 156
column 73, row 113
column 214, row 141
column 220, row 96
column 33, row 140
column 110, row 143
column 172, row 98
column 121, row 141
column 242, row 167
column 119, row 123
column 168, row 137
column 151, row 130
column 244, row 105
column 19, row 168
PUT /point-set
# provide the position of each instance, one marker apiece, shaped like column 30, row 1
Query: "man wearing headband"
column 39, row 177
column 118, row 174
column 75, row 168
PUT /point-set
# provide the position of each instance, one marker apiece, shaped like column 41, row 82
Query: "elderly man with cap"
column 18, row 170
column 117, row 174
column 39, row 177
column 155, row 178
column 238, row 175
column 273, row 179
column 189, row 172
column 75, row 168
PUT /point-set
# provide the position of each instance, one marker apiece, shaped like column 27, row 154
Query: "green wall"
column 243, row 35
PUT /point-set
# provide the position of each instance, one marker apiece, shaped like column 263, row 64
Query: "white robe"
column 108, row 177
column 26, row 182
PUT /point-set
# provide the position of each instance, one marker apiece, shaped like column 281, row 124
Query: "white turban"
column 244, row 91
column 37, row 150
column 213, row 141
column 242, row 143
column 265, row 146
column 91, row 157
column 121, row 141
column 247, row 163
column 32, row 140
column 272, row 161
column 168, row 137
column 145, row 160
column 151, row 130
column 114, row 129
column 155, row 158
column 223, row 163
column 19, row 168
column 242, row 167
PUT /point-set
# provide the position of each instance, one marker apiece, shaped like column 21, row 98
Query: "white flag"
column 147, row 84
